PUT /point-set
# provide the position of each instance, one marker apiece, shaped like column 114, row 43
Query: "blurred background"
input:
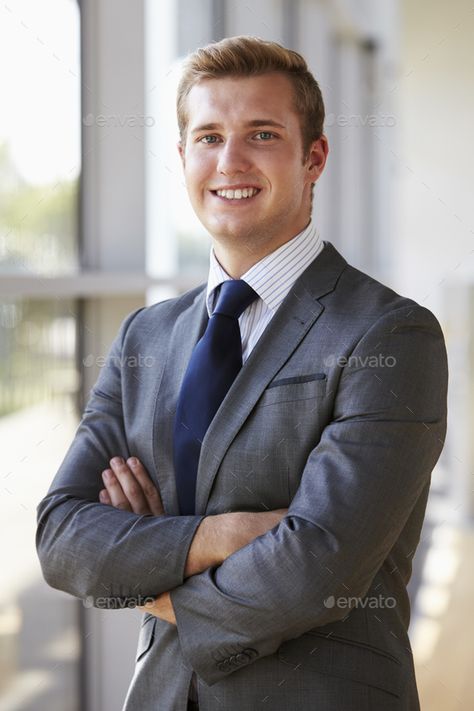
column 95, row 222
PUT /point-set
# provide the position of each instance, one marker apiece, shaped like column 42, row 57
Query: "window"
column 39, row 174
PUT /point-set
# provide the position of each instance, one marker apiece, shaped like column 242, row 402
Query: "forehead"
column 234, row 99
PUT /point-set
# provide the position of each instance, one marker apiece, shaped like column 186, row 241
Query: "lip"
column 235, row 187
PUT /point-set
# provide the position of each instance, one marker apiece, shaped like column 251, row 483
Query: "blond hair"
column 246, row 56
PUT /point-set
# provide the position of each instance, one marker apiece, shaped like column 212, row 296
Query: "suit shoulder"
column 374, row 300
column 162, row 313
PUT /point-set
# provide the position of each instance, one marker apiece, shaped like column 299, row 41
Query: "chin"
column 229, row 232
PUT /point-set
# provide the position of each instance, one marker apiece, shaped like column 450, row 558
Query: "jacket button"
column 242, row 658
column 252, row 653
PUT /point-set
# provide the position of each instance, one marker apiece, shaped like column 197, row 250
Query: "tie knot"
column 234, row 297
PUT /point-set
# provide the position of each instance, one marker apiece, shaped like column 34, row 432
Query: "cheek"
column 197, row 171
column 280, row 170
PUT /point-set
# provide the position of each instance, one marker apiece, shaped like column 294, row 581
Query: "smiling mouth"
column 237, row 195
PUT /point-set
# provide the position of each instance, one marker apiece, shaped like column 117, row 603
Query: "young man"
column 268, row 476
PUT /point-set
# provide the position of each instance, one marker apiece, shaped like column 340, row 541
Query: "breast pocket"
column 301, row 387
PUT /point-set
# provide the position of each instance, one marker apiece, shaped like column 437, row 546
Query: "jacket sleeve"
column 109, row 557
column 357, row 490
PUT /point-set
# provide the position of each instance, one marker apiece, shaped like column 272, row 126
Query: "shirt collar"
column 265, row 277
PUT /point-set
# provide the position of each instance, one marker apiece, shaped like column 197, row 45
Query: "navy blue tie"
column 213, row 367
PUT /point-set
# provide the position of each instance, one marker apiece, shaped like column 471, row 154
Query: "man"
column 265, row 482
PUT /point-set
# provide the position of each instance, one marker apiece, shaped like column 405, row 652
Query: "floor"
column 442, row 630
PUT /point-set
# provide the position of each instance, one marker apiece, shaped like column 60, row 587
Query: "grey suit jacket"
column 339, row 414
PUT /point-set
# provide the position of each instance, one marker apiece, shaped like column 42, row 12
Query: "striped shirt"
column 272, row 278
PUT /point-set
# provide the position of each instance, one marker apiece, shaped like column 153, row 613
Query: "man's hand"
column 161, row 607
column 129, row 488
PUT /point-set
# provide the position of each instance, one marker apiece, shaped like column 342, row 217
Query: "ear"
column 317, row 157
column 180, row 148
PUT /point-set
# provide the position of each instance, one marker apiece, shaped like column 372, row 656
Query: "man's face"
column 244, row 135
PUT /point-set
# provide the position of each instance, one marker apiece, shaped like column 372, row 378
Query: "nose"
column 233, row 158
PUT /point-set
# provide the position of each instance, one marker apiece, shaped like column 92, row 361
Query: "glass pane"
column 39, row 136
column 39, row 632
column 177, row 243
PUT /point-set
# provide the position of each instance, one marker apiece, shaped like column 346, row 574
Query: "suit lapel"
column 295, row 316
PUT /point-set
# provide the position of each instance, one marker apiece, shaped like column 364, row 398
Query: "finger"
column 114, row 489
column 149, row 489
column 104, row 497
column 130, row 486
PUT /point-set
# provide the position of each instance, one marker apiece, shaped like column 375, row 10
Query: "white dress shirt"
column 272, row 278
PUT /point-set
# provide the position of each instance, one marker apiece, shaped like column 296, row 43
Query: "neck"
column 234, row 261
column 237, row 259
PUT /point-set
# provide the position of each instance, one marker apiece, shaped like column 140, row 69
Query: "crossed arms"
column 357, row 491
column 128, row 487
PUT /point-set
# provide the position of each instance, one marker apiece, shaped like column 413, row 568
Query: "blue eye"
column 269, row 134
column 202, row 139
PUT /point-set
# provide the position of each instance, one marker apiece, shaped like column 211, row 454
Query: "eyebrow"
column 255, row 123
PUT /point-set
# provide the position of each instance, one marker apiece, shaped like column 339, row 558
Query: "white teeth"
column 237, row 194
